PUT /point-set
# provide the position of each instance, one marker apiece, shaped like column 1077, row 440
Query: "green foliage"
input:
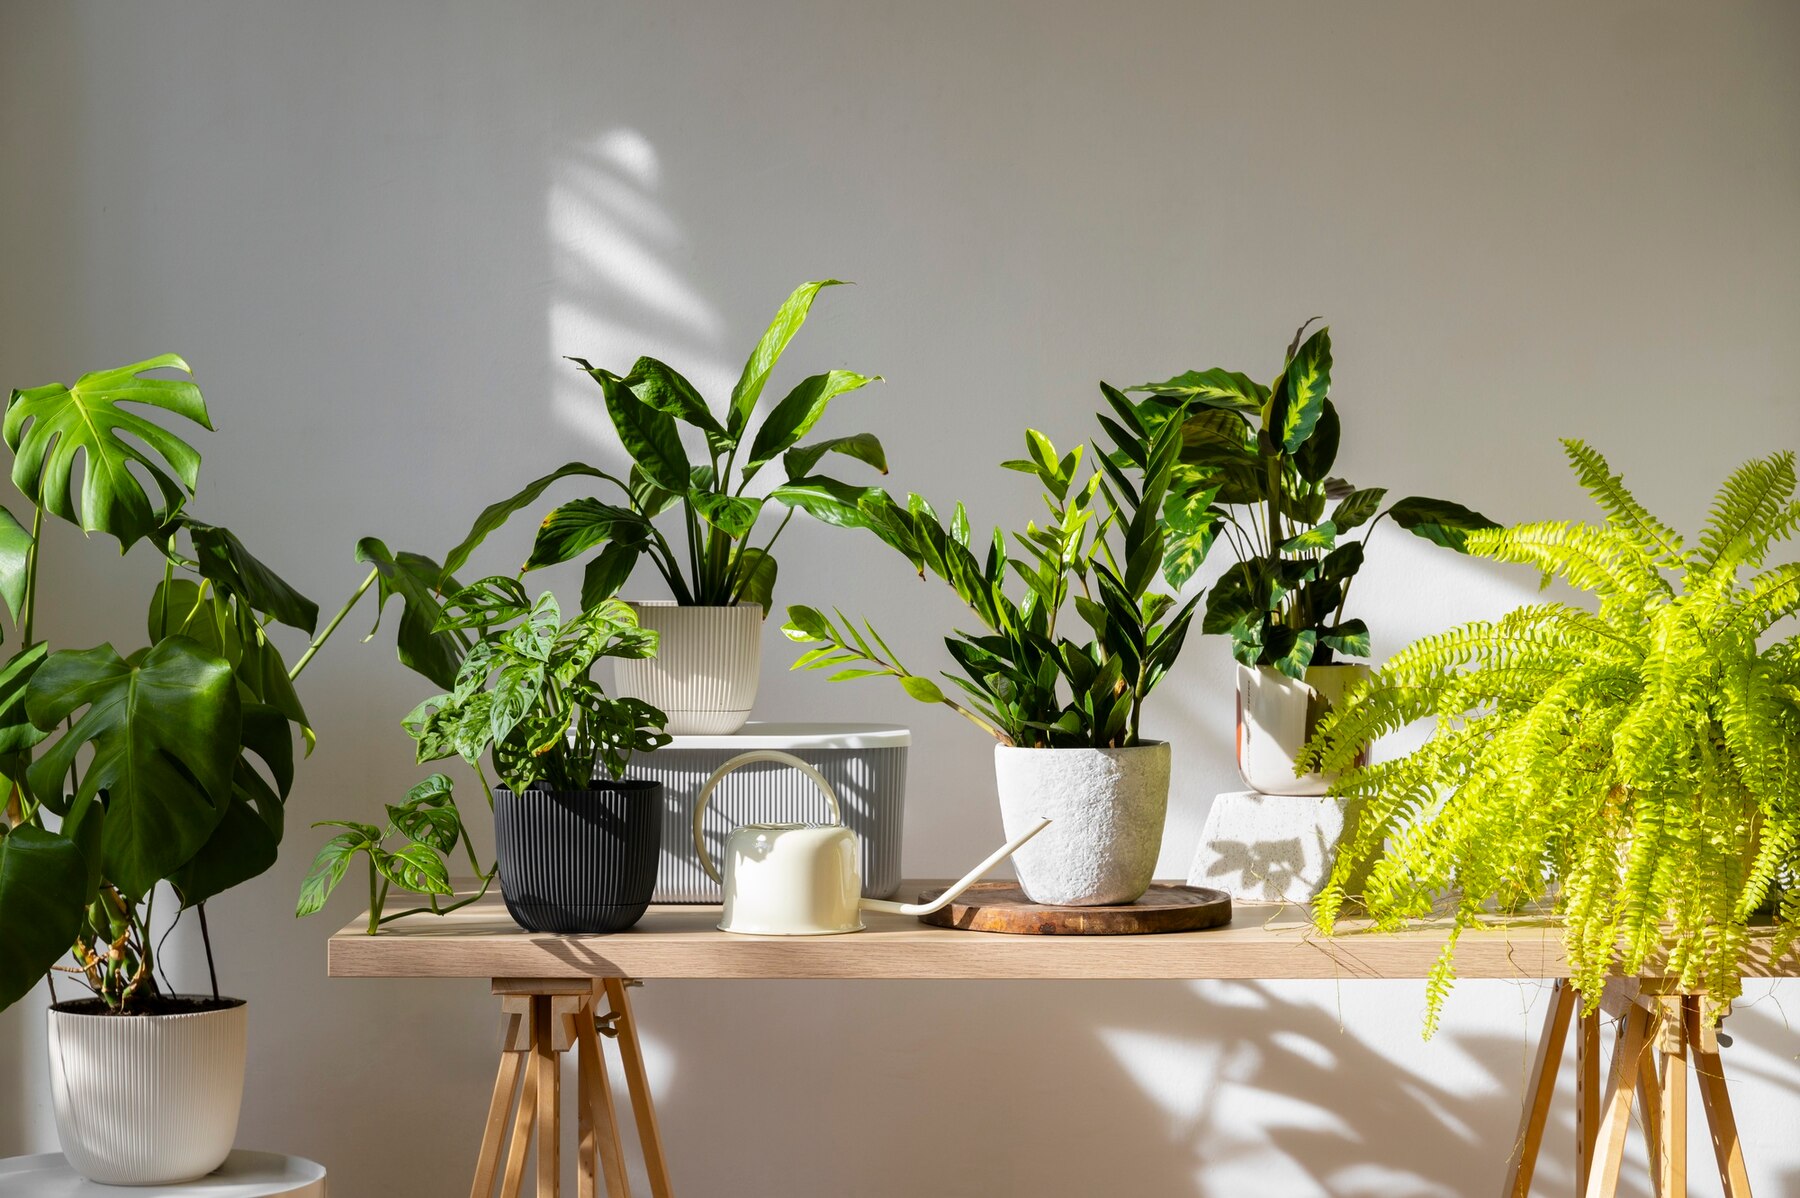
column 709, row 487
column 525, row 694
column 1637, row 763
column 1255, row 465
column 407, row 853
column 170, row 763
column 1023, row 679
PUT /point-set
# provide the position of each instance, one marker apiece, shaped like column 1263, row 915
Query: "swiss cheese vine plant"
column 1636, row 760
column 156, row 771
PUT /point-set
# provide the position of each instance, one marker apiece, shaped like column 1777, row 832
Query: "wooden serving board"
column 1003, row 907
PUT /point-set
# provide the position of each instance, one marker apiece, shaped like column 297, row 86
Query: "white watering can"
column 805, row 879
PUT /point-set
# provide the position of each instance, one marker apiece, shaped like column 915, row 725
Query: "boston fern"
column 716, row 564
column 1638, row 761
column 1023, row 680
column 1256, row 466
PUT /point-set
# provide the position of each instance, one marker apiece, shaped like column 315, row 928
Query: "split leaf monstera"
column 170, row 763
column 1634, row 759
column 709, row 489
column 1256, row 468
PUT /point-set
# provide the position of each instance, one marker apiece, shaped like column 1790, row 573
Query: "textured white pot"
column 705, row 671
column 1106, row 808
column 1276, row 716
column 1262, row 848
column 147, row 1099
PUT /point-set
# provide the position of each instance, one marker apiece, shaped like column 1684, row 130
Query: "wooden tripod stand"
column 1661, row 1032
column 545, row 1017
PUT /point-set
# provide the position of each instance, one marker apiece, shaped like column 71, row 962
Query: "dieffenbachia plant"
column 1635, row 760
column 706, row 486
column 1256, row 467
column 1024, row 679
column 170, row 763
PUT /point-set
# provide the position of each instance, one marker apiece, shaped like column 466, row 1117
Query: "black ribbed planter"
column 578, row 860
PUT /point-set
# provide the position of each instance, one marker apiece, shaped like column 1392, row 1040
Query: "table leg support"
column 1540, row 1092
column 544, row 1019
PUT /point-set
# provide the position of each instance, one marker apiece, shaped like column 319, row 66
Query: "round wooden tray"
column 1003, row 907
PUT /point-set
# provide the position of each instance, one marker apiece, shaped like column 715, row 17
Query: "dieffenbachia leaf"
column 1299, row 398
column 47, row 427
column 788, row 319
column 1438, row 520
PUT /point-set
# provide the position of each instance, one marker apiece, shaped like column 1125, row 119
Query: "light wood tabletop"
column 682, row 941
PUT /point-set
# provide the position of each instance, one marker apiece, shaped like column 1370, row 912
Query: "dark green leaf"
column 828, row 500
column 232, row 568
column 328, row 869
column 429, row 814
column 796, row 414
column 165, row 736
column 1213, row 388
column 756, row 579
column 1299, row 400
column 48, row 427
column 15, row 554
column 864, row 447
column 1351, row 638
column 607, row 572
column 496, row 514
column 578, row 526
column 417, row 868
column 663, row 388
column 44, row 888
column 732, row 515
column 17, row 732
column 1316, row 454
column 1289, row 651
column 1319, row 537
column 416, row 579
column 788, row 319
column 649, row 436
column 1357, row 507
column 1438, row 520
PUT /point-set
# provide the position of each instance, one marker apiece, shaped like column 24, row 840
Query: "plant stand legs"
column 1661, row 1032
column 544, row 1018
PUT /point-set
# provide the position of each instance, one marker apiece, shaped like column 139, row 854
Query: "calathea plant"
column 525, row 699
column 716, row 516
column 1023, row 678
column 170, row 763
column 1256, row 468
column 1635, row 760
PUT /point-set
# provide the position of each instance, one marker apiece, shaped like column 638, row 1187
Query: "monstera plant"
column 143, row 776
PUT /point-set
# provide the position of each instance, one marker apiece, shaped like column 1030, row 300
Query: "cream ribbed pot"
column 147, row 1099
column 705, row 671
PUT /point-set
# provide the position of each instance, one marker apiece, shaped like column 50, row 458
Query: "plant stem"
column 487, row 880
column 31, row 575
column 332, row 627
column 374, row 901
column 212, row 971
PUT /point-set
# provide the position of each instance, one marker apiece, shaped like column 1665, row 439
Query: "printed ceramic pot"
column 578, row 860
column 705, row 671
column 147, row 1099
column 1276, row 716
column 1106, row 808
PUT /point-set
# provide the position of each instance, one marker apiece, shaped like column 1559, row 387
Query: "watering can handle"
column 743, row 759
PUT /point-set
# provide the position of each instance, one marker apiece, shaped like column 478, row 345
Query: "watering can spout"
column 955, row 891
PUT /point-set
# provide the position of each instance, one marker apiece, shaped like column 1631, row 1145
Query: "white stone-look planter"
column 1262, row 848
column 1276, row 716
column 705, row 671
column 1106, row 808
column 147, row 1099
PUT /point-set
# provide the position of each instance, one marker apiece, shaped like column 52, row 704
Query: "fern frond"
column 1657, row 541
column 1747, row 508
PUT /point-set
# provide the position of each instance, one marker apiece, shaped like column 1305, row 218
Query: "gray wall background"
column 374, row 228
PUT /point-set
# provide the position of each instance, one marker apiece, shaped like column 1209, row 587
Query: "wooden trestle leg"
column 1661, row 1032
column 543, row 1018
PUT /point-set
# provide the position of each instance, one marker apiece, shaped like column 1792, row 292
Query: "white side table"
column 243, row 1175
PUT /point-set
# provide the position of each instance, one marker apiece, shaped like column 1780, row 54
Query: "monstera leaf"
column 416, row 579
column 45, row 885
column 48, row 427
column 165, row 731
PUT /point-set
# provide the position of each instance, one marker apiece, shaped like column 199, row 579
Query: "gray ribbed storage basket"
column 865, row 764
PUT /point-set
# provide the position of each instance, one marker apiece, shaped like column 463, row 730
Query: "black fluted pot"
column 578, row 860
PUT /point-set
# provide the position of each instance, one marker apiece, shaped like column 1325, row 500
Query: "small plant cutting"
column 1065, row 708
column 1634, row 760
column 722, row 577
column 1256, row 467
column 524, row 698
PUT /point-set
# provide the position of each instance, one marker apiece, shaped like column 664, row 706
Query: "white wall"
column 375, row 227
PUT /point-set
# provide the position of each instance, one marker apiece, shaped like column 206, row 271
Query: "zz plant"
column 524, row 697
column 1023, row 678
column 709, row 495
column 1256, row 466
column 169, row 763
column 1636, row 759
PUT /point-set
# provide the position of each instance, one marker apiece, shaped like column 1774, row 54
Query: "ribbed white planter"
column 147, row 1099
column 1276, row 716
column 1106, row 808
column 705, row 671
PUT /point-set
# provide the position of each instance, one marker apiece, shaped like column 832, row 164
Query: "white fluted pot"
column 1277, row 715
column 1106, row 808
column 147, row 1099
column 705, row 671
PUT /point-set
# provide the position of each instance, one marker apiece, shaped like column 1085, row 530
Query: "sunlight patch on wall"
column 621, row 283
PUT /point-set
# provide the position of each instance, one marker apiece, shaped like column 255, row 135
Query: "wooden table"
column 552, row 988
